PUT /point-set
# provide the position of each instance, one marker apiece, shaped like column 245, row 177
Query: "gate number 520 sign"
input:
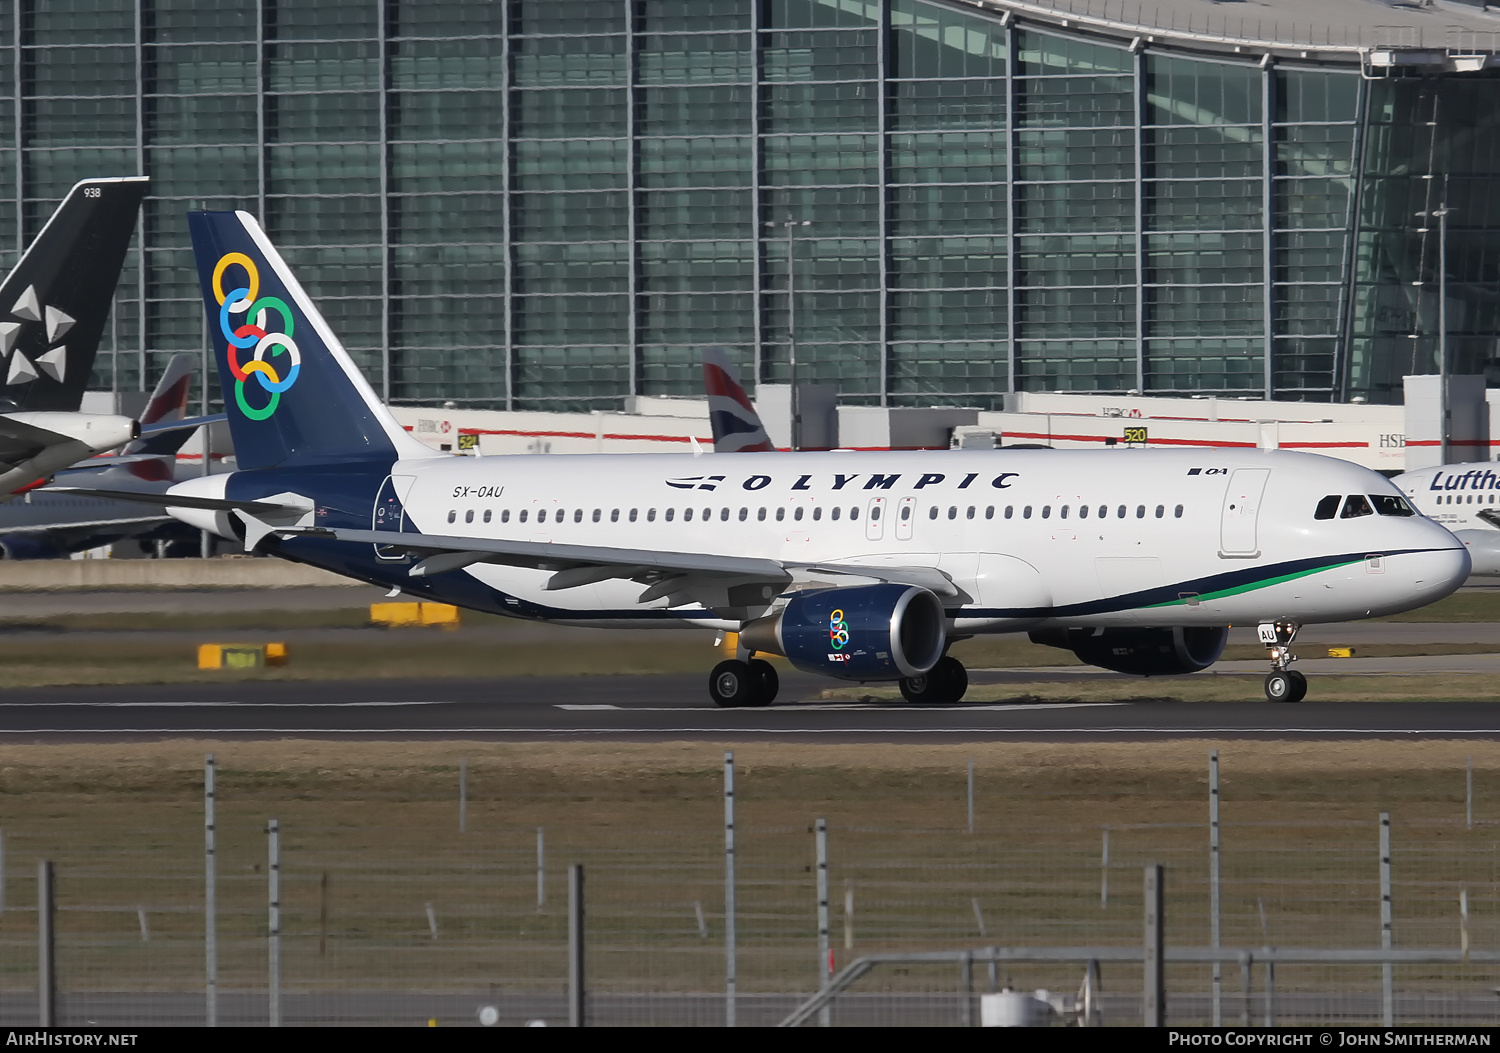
column 1135, row 435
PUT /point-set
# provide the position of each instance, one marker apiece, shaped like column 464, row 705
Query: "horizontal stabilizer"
column 211, row 504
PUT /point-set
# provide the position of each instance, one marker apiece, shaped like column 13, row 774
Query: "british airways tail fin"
column 168, row 403
column 53, row 305
column 292, row 394
column 737, row 427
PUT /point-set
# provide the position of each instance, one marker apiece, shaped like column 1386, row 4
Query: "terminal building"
column 541, row 205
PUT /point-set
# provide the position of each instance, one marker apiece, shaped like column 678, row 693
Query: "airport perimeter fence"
column 405, row 917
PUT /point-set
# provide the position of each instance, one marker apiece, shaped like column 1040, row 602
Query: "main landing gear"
column 1283, row 684
column 945, row 682
column 736, row 683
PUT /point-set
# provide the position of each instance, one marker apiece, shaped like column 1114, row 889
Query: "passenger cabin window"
column 597, row 513
column 1161, row 510
column 505, row 515
column 854, row 514
column 614, row 515
column 541, row 515
column 760, row 515
column 932, row 513
column 1355, row 506
column 724, row 514
column 952, row 512
column 817, row 513
column 487, row 514
column 578, row 515
column 1392, row 505
column 835, row 512
column 744, row 514
column 469, row 516
column 651, row 515
column 1328, row 507
column 1083, row 511
column 1046, row 511
column 1178, row 512
column 522, row 516
column 452, row 516
column 669, row 513
column 632, row 515
column 780, row 514
column 687, row 515
column 797, row 514
column 1140, row 511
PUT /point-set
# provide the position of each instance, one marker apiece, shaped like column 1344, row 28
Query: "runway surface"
column 644, row 708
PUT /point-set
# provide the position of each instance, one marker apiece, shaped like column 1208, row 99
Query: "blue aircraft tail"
column 292, row 394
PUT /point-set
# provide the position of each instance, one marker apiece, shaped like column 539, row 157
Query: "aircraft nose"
column 1437, row 572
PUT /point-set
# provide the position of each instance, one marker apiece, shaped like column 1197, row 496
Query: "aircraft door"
column 389, row 514
column 875, row 519
column 1237, row 524
column 904, row 516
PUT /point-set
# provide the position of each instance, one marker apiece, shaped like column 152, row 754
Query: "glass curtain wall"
column 558, row 205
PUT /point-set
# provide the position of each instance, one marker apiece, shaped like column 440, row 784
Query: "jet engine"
column 26, row 546
column 1142, row 652
column 861, row 632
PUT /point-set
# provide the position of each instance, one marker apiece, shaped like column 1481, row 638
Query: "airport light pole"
column 791, row 226
column 1441, row 214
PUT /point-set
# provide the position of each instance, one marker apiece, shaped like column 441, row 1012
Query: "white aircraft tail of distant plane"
column 857, row 566
column 1465, row 498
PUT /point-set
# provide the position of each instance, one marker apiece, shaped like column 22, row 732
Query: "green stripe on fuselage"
column 1252, row 586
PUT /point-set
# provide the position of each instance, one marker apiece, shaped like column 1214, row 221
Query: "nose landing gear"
column 1283, row 684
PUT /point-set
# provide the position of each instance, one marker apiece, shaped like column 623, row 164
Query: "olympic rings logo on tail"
column 253, row 331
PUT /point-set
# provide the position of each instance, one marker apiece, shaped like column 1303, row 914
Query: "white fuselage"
column 1465, row 498
column 1029, row 538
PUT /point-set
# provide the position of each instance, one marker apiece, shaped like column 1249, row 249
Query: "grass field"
column 370, row 840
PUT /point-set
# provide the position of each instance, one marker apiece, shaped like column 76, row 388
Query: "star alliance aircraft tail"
column 292, row 394
column 54, row 304
column 737, row 427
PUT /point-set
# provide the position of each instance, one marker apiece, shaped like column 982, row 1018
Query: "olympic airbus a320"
column 858, row 566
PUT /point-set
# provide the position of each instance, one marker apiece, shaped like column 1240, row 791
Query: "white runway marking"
column 1084, row 732
column 581, row 706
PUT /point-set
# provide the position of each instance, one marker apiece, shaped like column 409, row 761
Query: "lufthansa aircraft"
column 859, row 566
column 1465, row 498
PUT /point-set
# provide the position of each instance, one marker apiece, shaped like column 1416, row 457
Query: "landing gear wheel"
column 945, row 682
column 1287, row 686
column 732, row 684
column 767, row 683
column 955, row 678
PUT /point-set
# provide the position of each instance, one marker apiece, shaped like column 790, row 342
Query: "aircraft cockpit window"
column 1355, row 506
column 1392, row 505
column 1328, row 507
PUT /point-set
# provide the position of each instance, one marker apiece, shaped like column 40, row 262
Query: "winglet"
column 737, row 427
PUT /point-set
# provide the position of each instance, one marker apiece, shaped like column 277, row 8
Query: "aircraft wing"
column 20, row 441
column 675, row 574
